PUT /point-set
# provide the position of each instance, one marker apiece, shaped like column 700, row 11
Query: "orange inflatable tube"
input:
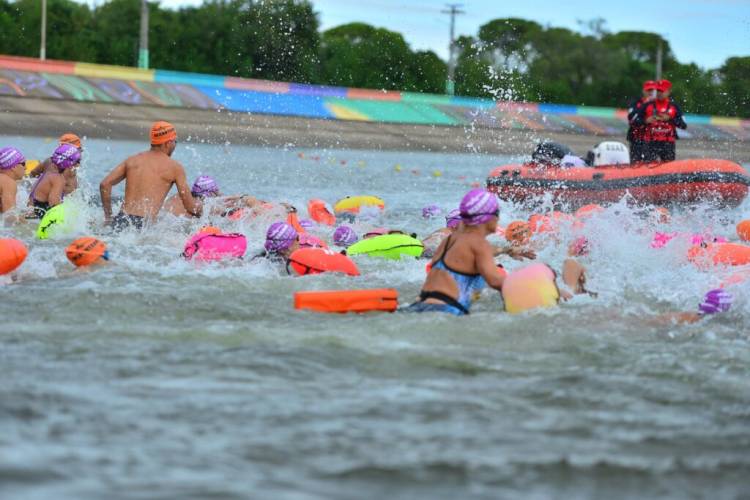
column 318, row 212
column 717, row 254
column 344, row 301
column 12, row 254
column 316, row 260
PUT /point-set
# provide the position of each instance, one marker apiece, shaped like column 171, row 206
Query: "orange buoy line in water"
column 12, row 254
column 344, row 301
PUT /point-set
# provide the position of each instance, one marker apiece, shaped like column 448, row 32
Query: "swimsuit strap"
column 36, row 185
column 441, row 260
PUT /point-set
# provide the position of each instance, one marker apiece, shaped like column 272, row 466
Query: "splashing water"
column 157, row 377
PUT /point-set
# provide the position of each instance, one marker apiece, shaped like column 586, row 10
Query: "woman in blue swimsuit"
column 464, row 262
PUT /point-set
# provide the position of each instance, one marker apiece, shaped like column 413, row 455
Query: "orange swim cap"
column 161, row 133
column 518, row 231
column 743, row 230
column 86, row 251
column 71, row 139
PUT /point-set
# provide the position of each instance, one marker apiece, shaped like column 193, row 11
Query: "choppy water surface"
column 154, row 378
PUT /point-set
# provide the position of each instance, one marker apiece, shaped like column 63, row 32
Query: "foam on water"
column 157, row 377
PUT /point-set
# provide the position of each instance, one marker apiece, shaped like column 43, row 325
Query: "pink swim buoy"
column 206, row 247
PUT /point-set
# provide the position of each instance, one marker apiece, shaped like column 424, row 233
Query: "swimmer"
column 12, row 168
column 87, row 252
column 714, row 301
column 344, row 236
column 433, row 241
column 465, row 262
column 205, row 187
column 148, row 178
column 281, row 241
column 430, row 211
column 47, row 166
column 49, row 189
column 573, row 272
column 518, row 234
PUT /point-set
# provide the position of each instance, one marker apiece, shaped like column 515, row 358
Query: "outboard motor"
column 611, row 153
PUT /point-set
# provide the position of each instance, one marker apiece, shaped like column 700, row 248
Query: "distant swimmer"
column 46, row 166
column 637, row 130
column 661, row 119
column 464, row 261
column 433, row 241
column 12, row 168
column 49, row 190
column 344, row 236
column 148, row 178
column 714, row 302
column 206, row 187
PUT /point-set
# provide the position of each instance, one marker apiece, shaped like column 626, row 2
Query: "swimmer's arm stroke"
column 485, row 262
column 115, row 177
column 183, row 189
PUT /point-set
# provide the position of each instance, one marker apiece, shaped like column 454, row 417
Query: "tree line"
column 513, row 59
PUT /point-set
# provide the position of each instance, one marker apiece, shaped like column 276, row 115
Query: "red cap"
column 663, row 85
column 650, row 85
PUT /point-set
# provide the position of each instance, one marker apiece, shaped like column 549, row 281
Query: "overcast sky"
column 702, row 31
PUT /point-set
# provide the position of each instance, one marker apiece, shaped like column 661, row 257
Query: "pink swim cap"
column 205, row 185
column 66, row 156
column 10, row 157
column 478, row 206
column 280, row 236
column 344, row 236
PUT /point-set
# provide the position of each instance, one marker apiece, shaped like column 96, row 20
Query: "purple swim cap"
column 430, row 211
column 205, row 185
column 66, row 156
column 280, row 236
column 10, row 157
column 478, row 206
column 715, row 301
column 306, row 223
column 344, row 236
column 453, row 219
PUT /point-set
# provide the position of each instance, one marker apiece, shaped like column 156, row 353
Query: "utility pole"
column 43, row 44
column 453, row 9
column 143, row 46
column 658, row 60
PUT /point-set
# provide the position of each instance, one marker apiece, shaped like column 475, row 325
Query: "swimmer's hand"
column 519, row 253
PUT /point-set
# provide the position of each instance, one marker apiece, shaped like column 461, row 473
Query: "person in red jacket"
column 661, row 118
column 637, row 132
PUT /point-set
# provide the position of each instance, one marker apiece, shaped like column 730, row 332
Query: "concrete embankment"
column 49, row 118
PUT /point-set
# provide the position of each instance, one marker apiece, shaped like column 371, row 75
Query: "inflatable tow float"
column 344, row 301
column 675, row 182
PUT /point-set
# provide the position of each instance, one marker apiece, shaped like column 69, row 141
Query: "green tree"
column 735, row 86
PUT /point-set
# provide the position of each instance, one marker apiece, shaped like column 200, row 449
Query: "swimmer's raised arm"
column 116, row 176
column 39, row 169
column 183, row 189
column 485, row 262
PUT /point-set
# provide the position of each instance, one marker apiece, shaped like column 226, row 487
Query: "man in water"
column 637, row 131
column 148, row 178
column 47, row 167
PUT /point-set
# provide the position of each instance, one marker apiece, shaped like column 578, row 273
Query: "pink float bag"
column 211, row 247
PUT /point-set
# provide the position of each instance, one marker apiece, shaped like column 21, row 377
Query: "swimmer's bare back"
column 148, row 178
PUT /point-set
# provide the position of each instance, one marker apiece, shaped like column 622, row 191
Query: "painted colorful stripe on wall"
column 25, row 77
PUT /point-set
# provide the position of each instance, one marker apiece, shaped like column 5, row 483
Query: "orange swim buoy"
column 12, row 254
column 343, row 301
column 589, row 210
column 318, row 211
column 315, row 260
column 743, row 230
column 518, row 231
column 716, row 254
column 293, row 221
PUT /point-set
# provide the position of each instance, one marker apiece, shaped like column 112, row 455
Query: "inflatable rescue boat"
column 676, row 182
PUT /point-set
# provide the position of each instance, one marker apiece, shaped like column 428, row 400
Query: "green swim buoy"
column 388, row 246
column 54, row 223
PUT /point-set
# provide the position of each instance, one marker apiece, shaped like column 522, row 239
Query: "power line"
column 453, row 10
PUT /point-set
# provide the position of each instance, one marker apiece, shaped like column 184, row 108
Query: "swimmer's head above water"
column 205, row 185
column 87, row 251
column 479, row 206
column 344, row 236
column 280, row 238
column 66, row 156
column 715, row 301
column 163, row 137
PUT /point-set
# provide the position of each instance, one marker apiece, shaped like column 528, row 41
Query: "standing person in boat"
column 464, row 262
column 47, row 166
column 661, row 117
column 148, row 178
column 49, row 190
column 637, row 131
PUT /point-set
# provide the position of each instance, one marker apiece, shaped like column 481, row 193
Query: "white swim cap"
column 611, row 153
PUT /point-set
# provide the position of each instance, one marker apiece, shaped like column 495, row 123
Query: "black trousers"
column 659, row 151
column 637, row 151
